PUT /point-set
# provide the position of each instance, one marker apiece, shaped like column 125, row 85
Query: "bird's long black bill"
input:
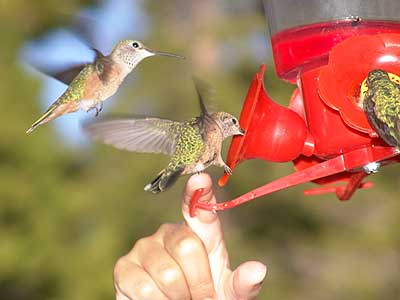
column 164, row 53
column 168, row 54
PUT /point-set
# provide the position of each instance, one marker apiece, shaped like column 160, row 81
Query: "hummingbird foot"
column 227, row 169
column 98, row 108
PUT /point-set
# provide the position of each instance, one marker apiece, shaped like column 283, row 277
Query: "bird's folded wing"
column 150, row 135
column 104, row 69
column 66, row 76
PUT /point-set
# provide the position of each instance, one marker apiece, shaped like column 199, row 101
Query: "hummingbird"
column 382, row 106
column 91, row 84
column 193, row 145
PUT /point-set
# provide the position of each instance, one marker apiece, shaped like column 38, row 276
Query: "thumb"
column 246, row 280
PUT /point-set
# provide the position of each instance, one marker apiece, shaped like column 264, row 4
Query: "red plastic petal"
column 349, row 64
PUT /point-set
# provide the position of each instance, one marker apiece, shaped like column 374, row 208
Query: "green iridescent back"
column 76, row 89
column 382, row 106
column 190, row 145
column 387, row 101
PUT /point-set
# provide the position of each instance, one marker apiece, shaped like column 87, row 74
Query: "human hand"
column 186, row 261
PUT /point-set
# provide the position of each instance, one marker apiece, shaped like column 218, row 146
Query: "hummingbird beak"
column 164, row 53
column 241, row 130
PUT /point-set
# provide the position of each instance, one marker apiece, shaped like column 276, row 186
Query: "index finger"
column 205, row 224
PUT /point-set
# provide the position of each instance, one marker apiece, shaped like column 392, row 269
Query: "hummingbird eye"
column 135, row 45
column 234, row 121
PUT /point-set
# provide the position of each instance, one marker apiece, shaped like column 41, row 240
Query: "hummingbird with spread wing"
column 91, row 84
column 193, row 145
column 382, row 106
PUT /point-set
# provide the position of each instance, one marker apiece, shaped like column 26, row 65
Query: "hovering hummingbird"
column 91, row 84
column 382, row 106
column 193, row 145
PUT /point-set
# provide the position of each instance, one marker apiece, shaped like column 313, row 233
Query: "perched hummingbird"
column 193, row 145
column 91, row 84
column 382, row 106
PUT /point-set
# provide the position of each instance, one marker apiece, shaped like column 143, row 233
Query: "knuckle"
column 169, row 274
column 188, row 243
column 145, row 289
column 123, row 284
column 141, row 244
column 140, row 288
column 120, row 265
column 133, row 284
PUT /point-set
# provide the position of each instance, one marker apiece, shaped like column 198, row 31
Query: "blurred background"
column 70, row 208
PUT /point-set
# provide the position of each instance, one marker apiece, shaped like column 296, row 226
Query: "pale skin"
column 186, row 261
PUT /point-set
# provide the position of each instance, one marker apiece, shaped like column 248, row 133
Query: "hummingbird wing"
column 103, row 65
column 204, row 91
column 67, row 75
column 149, row 135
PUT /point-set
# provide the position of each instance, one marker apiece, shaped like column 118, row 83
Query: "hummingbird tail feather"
column 53, row 112
column 164, row 180
column 41, row 120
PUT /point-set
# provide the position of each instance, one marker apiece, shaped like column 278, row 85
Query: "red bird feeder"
column 324, row 131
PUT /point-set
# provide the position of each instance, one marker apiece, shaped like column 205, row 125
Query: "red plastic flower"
column 349, row 64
